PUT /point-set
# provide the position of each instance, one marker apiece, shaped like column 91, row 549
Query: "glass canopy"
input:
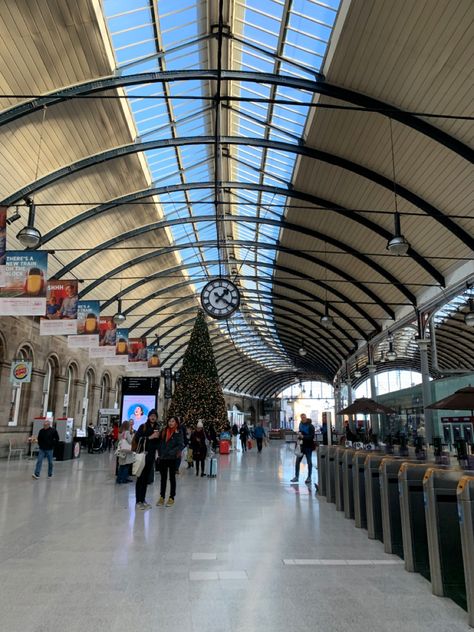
column 287, row 38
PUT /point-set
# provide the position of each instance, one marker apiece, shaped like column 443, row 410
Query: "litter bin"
column 465, row 496
column 390, row 499
column 347, row 483
column 331, row 474
column 339, row 478
column 444, row 534
column 321, row 454
column 372, row 496
column 358, row 476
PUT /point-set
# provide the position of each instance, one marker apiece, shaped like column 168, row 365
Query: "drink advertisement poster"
column 137, row 350
column 153, row 358
column 24, row 289
column 121, row 347
column 88, row 315
column 61, row 308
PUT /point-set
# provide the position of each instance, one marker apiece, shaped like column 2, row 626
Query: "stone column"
column 374, row 419
column 426, row 391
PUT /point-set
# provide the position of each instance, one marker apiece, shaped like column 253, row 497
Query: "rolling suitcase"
column 211, row 469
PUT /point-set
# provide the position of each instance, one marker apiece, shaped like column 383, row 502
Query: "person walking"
column 244, row 435
column 184, row 434
column 259, row 434
column 146, row 439
column 124, row 453
column 199, row 448
column 170, row 446
column 90, row 438
column 47, row 440
column 235, row 434
column 305, row 440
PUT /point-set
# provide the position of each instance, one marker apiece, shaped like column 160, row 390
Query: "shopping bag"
column 249, row 444
column 139, row 464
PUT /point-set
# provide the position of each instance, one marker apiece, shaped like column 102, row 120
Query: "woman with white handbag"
column 145, row 443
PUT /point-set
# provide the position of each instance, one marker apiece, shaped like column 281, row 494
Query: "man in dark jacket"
column 146, row 440
column 306, row 444
column 47, row 439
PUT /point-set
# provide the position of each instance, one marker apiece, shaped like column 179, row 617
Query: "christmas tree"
column 198, row 394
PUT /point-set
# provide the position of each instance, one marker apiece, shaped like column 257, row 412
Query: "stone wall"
column 17, row 333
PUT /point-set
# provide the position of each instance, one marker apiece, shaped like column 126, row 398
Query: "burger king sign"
column 20, row 372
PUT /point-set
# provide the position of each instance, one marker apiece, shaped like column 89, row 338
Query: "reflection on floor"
column 246, row 551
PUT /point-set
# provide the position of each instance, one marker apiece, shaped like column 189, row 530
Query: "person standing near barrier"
column 306, row 434
column 244, row 435
column 259, row 434
column 170, row 446
column 47, row 440
column 145, row 440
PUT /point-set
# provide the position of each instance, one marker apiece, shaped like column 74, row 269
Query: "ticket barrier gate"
column 444, row 534
column 322, row 453
column 331, row 474
column 339, row 478
column 390, row 500
column 347, row 483
column 372, row 496
column 465, row 498
column 413, row 519
column 358, row 477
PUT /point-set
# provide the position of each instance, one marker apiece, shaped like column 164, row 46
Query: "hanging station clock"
column 220, row 298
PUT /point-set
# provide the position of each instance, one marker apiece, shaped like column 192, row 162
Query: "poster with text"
column 133, row 367
column 3, row 241
column 61, row 308
column 88, row 315
column 83, row 341
column 121, row 346
column 153, row 358
column 116, row 360
column 107, row 332
column 137, row 350
column 24, row 291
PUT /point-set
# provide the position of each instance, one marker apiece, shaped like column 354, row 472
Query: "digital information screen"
column 139, row 395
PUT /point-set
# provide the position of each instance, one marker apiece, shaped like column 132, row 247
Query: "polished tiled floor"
column 246, row 551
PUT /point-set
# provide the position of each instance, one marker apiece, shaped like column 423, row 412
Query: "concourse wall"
column 22, row 333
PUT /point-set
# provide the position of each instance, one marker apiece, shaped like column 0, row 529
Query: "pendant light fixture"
column 119, row 318
column 326, row 320
column 397, row 245
column 357, row 372
column 391, row 354
column 302, row 351
column 29, row 236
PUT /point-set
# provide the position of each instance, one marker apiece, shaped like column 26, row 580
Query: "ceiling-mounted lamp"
column 302, row 351
column 357, row 374
column 119, row 318
column 391, row 355
column 469, row 317
column 13, row 218
column 326, row 320
column 29, row 236
column 397, row 245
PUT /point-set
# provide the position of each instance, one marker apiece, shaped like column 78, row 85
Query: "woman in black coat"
column 199, row 448
column 170, row 446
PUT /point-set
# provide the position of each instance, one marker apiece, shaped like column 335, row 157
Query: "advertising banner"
column 3, row 243
column 116, row 360
column 137, row 350
column 153, row 358
column 168, row 392
column 20, row 372
column 61, row 308
column 121, row 346
column 83, row 342
column 101, row 352
column 24, row 291
column 107, row 332
column 133, row 367
column 88, row 315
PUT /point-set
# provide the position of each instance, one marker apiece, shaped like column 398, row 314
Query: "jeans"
column 259, row 443
column 122, row 475
column 244, row 445
column 39, row 462
column 308, row 453
column 165, row 467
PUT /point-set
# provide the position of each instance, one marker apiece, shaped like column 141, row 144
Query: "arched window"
column 89, row 380
column 70, row 391
column 104, row 391
column 49, row 387
column 20, row 393
column 118, row 392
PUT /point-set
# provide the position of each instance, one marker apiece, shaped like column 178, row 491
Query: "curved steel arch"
column 318, row 87
column 289, row 192
column 239, row 242
column 252, row 220
column 299, row 149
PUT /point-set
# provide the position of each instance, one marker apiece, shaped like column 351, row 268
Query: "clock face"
column 220, row 298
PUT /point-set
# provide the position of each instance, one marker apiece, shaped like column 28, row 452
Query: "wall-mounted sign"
column 24, row 289
column 20, row 372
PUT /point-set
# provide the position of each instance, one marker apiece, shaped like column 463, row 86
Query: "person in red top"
column 170, row 446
